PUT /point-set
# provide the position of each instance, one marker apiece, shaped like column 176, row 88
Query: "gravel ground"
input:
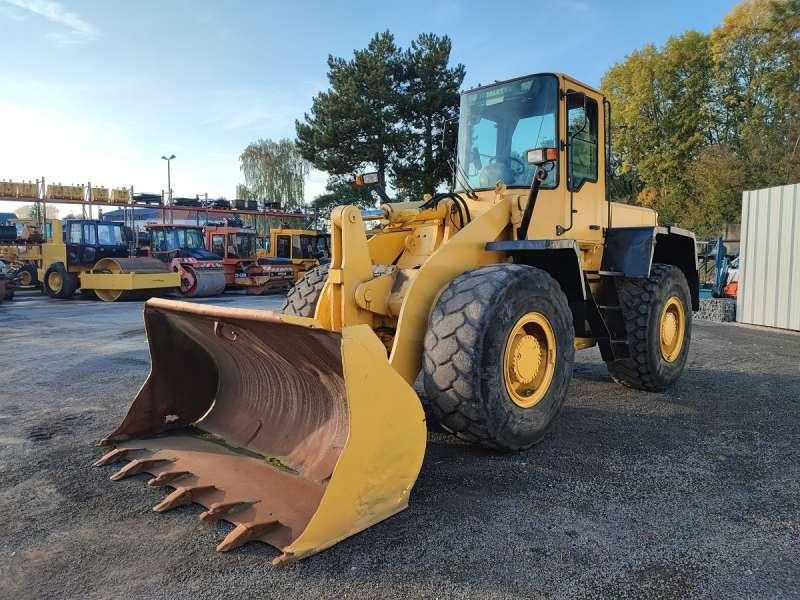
column 692, row 493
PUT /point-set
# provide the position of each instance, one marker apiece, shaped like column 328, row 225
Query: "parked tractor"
column 182, row 248
column 486, row 291
column 92, row 256
column 237, row 247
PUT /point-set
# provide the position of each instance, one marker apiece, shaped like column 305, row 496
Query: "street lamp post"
column 169, row 184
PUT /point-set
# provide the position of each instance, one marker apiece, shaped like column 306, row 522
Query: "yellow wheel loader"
column 93, row 256
column 303, row 428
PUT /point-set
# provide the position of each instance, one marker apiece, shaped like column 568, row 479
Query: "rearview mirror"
column 539, row 156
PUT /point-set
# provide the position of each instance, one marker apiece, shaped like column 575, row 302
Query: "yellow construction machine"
column 22, row 249
column 305, row 248
column 303, row 427
column 93, row 255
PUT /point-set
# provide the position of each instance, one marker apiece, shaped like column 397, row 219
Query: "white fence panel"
column 769, row 259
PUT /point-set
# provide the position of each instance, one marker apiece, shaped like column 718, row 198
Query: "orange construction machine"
column 237, row 247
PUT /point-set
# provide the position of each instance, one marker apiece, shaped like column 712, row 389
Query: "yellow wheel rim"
column 529, row 360
column 672, row 329
column 54, row 281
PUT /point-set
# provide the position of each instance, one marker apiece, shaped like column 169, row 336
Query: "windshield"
column 165, row 239
column 191, row 238
column 109, row 235
column 498, row 124
column 303, row 246
column 241, row 245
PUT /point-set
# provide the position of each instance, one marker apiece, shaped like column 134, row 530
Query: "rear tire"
column 661, row 302
column 489, row 379
column 60, row 283
column 27, row 276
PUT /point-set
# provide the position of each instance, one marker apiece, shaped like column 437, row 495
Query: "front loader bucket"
column 298, row 436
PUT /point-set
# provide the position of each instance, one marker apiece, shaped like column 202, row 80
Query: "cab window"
column 218, row 244
column 74, row 236
column 582, row 122
column 89, row 237
column 158, row 240
column 284, row 247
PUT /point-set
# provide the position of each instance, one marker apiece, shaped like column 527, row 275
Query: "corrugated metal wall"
column 769, row 260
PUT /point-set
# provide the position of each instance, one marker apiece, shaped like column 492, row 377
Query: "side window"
column 284, row 247
column 89, row 237
column 582, row 125
column 218, row 244
column 75, row 233
column 157, row 240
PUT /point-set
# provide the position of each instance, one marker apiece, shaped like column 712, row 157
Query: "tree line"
column 706, row 116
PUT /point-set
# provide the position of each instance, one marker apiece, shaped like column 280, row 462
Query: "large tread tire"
column 642, row 301
column 301, row 300
column 464, row 349
column 69, row 281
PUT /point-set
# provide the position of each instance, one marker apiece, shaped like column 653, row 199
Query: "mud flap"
column 298, row 436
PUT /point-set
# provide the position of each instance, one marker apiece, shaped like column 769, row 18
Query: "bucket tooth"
column 136, row 466
column 285, row 558
column 116, row 455
column 244, row 533
column 182, row 496
column 167, row 477
column 220, row 510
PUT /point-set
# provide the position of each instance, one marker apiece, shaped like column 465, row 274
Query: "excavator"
column 302, row 427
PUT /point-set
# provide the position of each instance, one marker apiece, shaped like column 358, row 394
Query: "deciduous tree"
column 275, row 171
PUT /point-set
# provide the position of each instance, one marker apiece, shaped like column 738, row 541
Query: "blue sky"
column 98, row 91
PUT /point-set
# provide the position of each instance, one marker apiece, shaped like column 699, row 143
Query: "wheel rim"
column 671, row 329
column 25, row 278
column 529, row 360
column 54, row 281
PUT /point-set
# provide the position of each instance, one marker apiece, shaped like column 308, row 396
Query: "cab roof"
column 559, row 75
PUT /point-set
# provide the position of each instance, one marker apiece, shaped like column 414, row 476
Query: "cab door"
column 583, row 134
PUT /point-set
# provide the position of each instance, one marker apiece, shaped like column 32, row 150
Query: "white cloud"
column 78, row 31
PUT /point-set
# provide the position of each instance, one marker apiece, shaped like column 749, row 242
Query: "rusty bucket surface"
column 297, row 435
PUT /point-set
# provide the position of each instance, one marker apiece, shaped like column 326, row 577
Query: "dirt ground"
column 692, row 493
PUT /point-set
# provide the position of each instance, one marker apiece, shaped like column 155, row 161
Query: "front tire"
column 499, row 354
column 301, row 300
column 657, row 311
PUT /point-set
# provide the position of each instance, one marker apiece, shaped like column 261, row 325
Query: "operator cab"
column 169, row 242
column 90, row 240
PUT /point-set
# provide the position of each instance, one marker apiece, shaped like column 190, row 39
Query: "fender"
column 631, row 252
column 561, row 259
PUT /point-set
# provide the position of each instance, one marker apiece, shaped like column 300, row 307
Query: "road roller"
column 182, row 249
column 93, row 256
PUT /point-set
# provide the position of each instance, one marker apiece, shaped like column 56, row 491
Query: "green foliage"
column 275, row 171
column 384, row 111
column 705, row 117
column 244, row 193
column 355, row 123
column 430, row 98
